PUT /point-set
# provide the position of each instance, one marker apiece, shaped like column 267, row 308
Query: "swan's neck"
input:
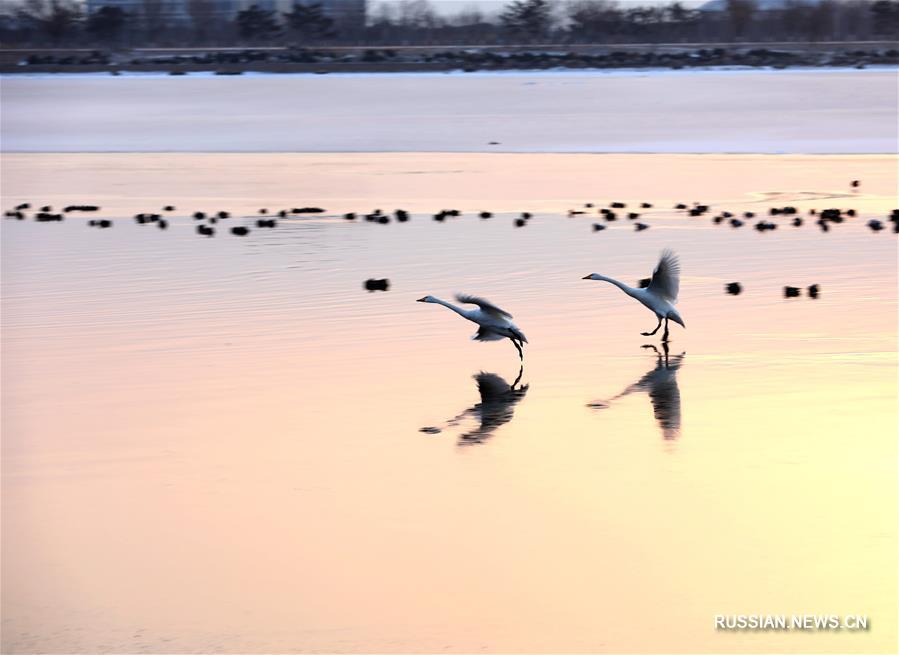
column 631, row 291
column 458, row 310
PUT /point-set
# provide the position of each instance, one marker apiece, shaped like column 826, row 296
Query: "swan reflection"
column 661, row 385
column 497, row 407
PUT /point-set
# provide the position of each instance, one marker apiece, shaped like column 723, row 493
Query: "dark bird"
column 485, row 215
column 205, row 230
column 373, row 284
column 240, row 231
column 813, row 291
column 734, row 288
column 855, row 184
column 639, row 227
column 875, row 225
column 520, row 222
column 791, row 292
column 598, row 226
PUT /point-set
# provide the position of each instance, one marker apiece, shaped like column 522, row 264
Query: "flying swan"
column 661, row 294
column 493, row 322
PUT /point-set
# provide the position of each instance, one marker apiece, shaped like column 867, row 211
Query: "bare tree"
column 594, row 20
column 309, row 22
column 740, row 14
column 531, row 19
column 57, row 20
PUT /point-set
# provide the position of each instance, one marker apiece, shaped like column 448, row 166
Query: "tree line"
column 415, row 22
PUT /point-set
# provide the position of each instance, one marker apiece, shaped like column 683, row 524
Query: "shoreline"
column 455, row 72
column 441, row 59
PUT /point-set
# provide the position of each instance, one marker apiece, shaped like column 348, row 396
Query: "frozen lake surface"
column 740, row 111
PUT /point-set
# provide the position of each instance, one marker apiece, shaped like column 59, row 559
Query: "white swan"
column 661, row 294
column 494, row 322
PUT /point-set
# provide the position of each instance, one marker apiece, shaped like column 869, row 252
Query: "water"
column 815, row 111
column 216, row 445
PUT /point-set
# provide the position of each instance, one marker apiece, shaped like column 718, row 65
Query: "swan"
column 495, row 323
column 660, row 295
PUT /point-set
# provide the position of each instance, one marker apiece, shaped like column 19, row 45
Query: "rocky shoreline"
column 360, row 60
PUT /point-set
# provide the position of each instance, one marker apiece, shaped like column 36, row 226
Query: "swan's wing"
column 485, row 305
column 666, row 276
column 486, row 334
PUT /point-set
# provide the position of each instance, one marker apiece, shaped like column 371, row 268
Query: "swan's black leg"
column 518, row 348
column 649, row 334
column 665, row 335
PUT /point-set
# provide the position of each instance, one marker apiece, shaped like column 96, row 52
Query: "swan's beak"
column 422, row 300
column 587, row 277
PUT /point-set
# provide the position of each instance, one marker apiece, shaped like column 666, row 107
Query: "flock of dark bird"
column 825, row 219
